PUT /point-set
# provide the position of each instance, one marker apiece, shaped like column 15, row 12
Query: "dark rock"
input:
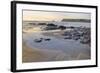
column 38, row 40
column 62, row 27
column 47, row 39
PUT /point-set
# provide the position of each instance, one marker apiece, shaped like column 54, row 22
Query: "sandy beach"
column 38, row 55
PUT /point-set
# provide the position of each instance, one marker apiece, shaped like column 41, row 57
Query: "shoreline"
column 44, row 55
column 40, row 55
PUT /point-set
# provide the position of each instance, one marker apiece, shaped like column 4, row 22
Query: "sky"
column 29, row 15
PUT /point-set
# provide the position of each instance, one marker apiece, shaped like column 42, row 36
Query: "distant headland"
column 76, row 20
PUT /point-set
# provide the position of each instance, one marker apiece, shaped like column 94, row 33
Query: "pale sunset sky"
column 53, row 16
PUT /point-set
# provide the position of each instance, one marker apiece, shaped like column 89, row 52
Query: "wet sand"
column 38, row 55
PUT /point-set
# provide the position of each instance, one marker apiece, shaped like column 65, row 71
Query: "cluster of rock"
column 52, row 26
column 79, row 33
